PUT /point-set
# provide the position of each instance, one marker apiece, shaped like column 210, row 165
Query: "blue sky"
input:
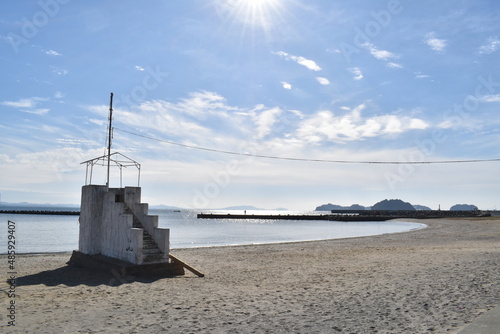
column 359, row 81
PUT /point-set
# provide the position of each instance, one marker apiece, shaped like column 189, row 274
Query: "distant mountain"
column 41, row 207
column 163, row 207
column 393, row 204
column 329, row 207
column 421, row 208
column 241, row 207
column 359, row 207
column 463, row 207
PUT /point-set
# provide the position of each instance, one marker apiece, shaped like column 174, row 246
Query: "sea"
column 59, row 233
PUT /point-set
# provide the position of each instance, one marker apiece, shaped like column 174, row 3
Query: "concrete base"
column 107, row 264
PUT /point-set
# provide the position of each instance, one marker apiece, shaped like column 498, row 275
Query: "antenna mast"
column 109, row 135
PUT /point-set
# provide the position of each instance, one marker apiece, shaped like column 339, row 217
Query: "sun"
column 260, row 13
column 259, row 3
column 257, row 14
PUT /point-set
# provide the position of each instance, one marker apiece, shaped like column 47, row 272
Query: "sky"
column 340, row 89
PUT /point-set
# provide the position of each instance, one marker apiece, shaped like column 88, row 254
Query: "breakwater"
column 41, row 212
column 351, row 215
column 418, row 214
column 332, row 217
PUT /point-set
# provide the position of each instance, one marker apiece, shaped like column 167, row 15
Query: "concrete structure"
column 116, row 231
column 114, row 223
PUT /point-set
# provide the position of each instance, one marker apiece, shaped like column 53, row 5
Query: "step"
column 151, row 252
column 150, row 246
column 150, row 249
column 148, row 239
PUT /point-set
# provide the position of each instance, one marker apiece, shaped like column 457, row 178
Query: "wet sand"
column 434, row 280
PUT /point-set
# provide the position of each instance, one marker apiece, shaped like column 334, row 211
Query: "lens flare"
column 261, row 14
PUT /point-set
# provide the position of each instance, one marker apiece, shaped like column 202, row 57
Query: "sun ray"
column 254, row 14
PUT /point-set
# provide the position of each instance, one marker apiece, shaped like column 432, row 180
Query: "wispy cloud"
column 75, row 142
column 52, row 53
column 205, row 103
column 22, row 103
column 99, row 122
column 420, row 75
column 28, row 105
column 436, row 44
column 394, row 65
column 356, row 71
column 265, row 121
column 451, row 124
column 297, row 113
column 59, row 95
column 59, row 71
column 491, row 98
column 380, row 54
column 416, row 123
column 49, row 164
column 308, row 63
column 266, row 126
column 492, row 44
column 286, row 85
column 139, row 68
column 383, row 55
column 40, row 111
column 194, row 118
column 325, row 125
column 323, row 81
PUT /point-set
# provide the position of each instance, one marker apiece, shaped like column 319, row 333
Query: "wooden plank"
column 185, row 265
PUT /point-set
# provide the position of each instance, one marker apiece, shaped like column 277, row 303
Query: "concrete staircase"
column 116, row 233
column 150, row 250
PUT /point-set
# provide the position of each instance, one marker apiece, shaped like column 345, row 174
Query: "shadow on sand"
column 71, row 275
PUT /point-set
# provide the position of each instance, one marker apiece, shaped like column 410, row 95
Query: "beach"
column 432, row 280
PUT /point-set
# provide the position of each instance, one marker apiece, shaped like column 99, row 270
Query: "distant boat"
column 177, row 210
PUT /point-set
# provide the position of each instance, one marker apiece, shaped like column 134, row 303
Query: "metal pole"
column 91, row 171
column 139, row 177
column 86, row 173
column 109, row 135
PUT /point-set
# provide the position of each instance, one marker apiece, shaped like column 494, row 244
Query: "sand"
column 435, row 280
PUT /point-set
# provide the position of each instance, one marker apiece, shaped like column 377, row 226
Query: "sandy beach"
column 434, row 280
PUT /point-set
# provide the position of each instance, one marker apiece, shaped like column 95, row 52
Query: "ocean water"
column 51, row 233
